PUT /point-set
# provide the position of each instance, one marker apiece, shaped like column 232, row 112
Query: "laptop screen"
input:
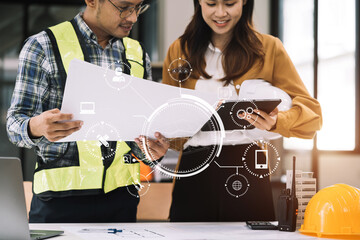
column 13, row 218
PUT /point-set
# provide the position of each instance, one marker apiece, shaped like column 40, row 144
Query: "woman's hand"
column 156, row 148
column 219, row 104
column 265, row 122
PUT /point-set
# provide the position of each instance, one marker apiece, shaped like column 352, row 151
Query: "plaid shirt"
column 37, row 89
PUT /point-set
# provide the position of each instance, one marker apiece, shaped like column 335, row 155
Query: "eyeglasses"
column 126, row 12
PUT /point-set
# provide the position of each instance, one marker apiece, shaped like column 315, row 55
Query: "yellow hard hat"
column 333, row 212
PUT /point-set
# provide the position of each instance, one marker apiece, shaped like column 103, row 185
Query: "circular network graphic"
column 237, row 185
column 240, row 115
column 180, row 70
column 98, row 135
column 257, row 160
column 114, row 75
column 192, row 108
column 142, row 187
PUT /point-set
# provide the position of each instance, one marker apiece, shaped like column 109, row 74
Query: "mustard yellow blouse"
column 303, row 119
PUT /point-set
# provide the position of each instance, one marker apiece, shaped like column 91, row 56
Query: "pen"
column 108, row 230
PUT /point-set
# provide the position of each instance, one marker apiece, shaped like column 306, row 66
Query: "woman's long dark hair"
column 241, row 53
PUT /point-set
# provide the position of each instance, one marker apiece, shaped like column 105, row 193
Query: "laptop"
column 87, row 108
column 13, row 217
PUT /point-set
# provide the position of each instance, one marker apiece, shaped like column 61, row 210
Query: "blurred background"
column 321, row 37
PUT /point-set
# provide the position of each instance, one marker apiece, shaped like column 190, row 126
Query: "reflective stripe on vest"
column 90, row 172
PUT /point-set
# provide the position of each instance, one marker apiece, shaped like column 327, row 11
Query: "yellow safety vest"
column 91, row 174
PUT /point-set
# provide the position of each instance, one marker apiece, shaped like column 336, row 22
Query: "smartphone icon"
column 261, row 159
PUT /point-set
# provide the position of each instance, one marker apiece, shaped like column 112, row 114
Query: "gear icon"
column 239, row 115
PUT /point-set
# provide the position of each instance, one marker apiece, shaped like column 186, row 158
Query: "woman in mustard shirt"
column 224, row 50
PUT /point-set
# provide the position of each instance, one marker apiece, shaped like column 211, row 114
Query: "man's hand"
column 48, row 125
column 156, row 148
column 265, row 122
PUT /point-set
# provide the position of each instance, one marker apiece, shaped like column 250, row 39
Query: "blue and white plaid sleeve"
column 31, row 85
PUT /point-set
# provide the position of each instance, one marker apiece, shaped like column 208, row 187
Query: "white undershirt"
column 213, row 58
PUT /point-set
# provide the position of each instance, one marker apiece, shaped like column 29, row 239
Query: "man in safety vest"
column 71, row 182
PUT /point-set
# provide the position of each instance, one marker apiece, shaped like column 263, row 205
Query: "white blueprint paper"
column 182, row 231
column 122, row 108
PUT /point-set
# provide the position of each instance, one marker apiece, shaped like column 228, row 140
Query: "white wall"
column 339, row 168
column 174, row 16
column 261, row 16
column 333, row 167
